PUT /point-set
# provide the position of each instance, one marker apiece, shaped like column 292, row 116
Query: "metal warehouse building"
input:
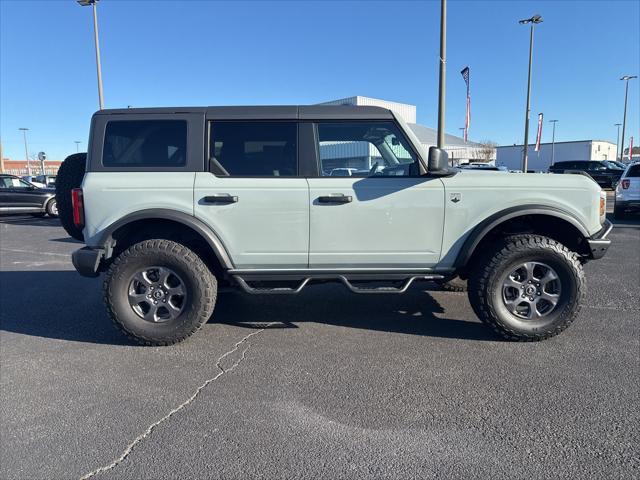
column 362, row 155
column 511, row 155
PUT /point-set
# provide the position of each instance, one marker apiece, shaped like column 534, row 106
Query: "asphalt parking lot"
column 326, row 384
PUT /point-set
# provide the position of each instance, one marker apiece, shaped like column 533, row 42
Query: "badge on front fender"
column 455, row 197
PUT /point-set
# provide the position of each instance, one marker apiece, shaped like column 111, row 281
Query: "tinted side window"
column 145, row 143
column 634, row 171
column 362, row 149
column 254, row 149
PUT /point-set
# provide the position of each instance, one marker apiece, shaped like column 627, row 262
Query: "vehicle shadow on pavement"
column 56, row 304
column 30, row 220
column 63, row 305
column 412, row 313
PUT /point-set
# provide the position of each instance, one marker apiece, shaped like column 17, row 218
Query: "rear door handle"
column 335, row 198
column 220, row 198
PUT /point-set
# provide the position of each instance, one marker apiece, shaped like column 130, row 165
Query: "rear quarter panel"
column 109, row 196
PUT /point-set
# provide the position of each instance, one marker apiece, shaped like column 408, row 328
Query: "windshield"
column 613, row 165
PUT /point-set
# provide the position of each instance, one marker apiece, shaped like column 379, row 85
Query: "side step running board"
column 407, row 283
column 347, row 283
column 276, row 290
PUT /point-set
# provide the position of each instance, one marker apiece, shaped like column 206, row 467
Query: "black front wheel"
column 527, row 288
column 159, row 292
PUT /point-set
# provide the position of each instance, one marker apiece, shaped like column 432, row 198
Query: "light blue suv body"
column 250, row 191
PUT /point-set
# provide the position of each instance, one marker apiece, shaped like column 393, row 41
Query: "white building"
column 459, row 151
column 511, row 155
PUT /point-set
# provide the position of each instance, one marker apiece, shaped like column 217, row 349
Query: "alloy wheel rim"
column 531, row 291
column 157, row 294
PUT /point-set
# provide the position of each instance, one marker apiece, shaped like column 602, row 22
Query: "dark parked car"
column 18, row 196
column 604, row 172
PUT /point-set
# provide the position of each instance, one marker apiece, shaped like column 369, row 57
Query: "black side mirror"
column 438, row 160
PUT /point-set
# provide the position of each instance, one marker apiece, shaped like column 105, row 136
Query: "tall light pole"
column 26, row 148
column 462, row 129
column 77, row 142
column 443, row 71
column 92, row 3
column 617, row 139
column 533, row 21
column 626, row 79
column 553, row 142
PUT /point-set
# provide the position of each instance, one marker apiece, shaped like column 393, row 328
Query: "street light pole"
column 77, row 142
column 533, row 20
column 553, row 142
column 617, row 139
column 26, row 149
column 92, row 3
column 626, row 79
column 443, row 71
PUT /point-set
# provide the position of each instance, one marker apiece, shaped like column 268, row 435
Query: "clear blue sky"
column 164, row 53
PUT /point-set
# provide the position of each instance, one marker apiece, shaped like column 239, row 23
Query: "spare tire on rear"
column 69, row 176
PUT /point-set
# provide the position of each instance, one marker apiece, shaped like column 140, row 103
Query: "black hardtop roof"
column 302, row 112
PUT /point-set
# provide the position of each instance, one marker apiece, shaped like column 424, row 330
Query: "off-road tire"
column 51, row 205
column 456, row 284
column 485, row 286
column 619, row 213
column 69, row 176
column 201, row 287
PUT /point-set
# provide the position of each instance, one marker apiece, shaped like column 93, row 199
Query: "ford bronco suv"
column 174, row 202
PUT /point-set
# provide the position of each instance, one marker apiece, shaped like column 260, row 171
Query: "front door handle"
column 220, row 198
column 335, row 198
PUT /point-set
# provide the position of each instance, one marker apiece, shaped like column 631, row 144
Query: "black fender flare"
column 106, row 241
column 489, row 223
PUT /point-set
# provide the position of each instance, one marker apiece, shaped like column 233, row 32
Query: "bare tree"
column 486, row 151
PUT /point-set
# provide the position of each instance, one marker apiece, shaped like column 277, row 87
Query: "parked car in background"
column 32, row 180
column 479, row 167
column 49, row 181
column 20, row 196
column 343, row 172
column 628, row 192
column 605, row 173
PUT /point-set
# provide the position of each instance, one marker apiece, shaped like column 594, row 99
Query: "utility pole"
column 1, row 158
column 626, row 79
column 26, row 149
column 533, row 21
column 92, row 3
column 553, row 142
column 617, row 140
column 443, row 72
column 77, row 142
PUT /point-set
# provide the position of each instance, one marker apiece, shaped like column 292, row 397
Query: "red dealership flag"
column 467, row 120
column 630, row 148
column 539, row 137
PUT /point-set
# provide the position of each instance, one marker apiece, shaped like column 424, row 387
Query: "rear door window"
column 254, row 149
column 145, row 143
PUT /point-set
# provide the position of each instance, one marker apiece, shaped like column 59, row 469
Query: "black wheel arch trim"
column 106, row 241
column 489, row 223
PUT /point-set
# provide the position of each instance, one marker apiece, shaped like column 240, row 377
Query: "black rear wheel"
column 159, row 292
column 69, row 176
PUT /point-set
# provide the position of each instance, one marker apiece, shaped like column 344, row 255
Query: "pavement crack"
column 184, row 404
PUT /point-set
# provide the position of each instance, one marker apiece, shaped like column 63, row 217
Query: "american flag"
column 467, row 120
column 539, row 135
